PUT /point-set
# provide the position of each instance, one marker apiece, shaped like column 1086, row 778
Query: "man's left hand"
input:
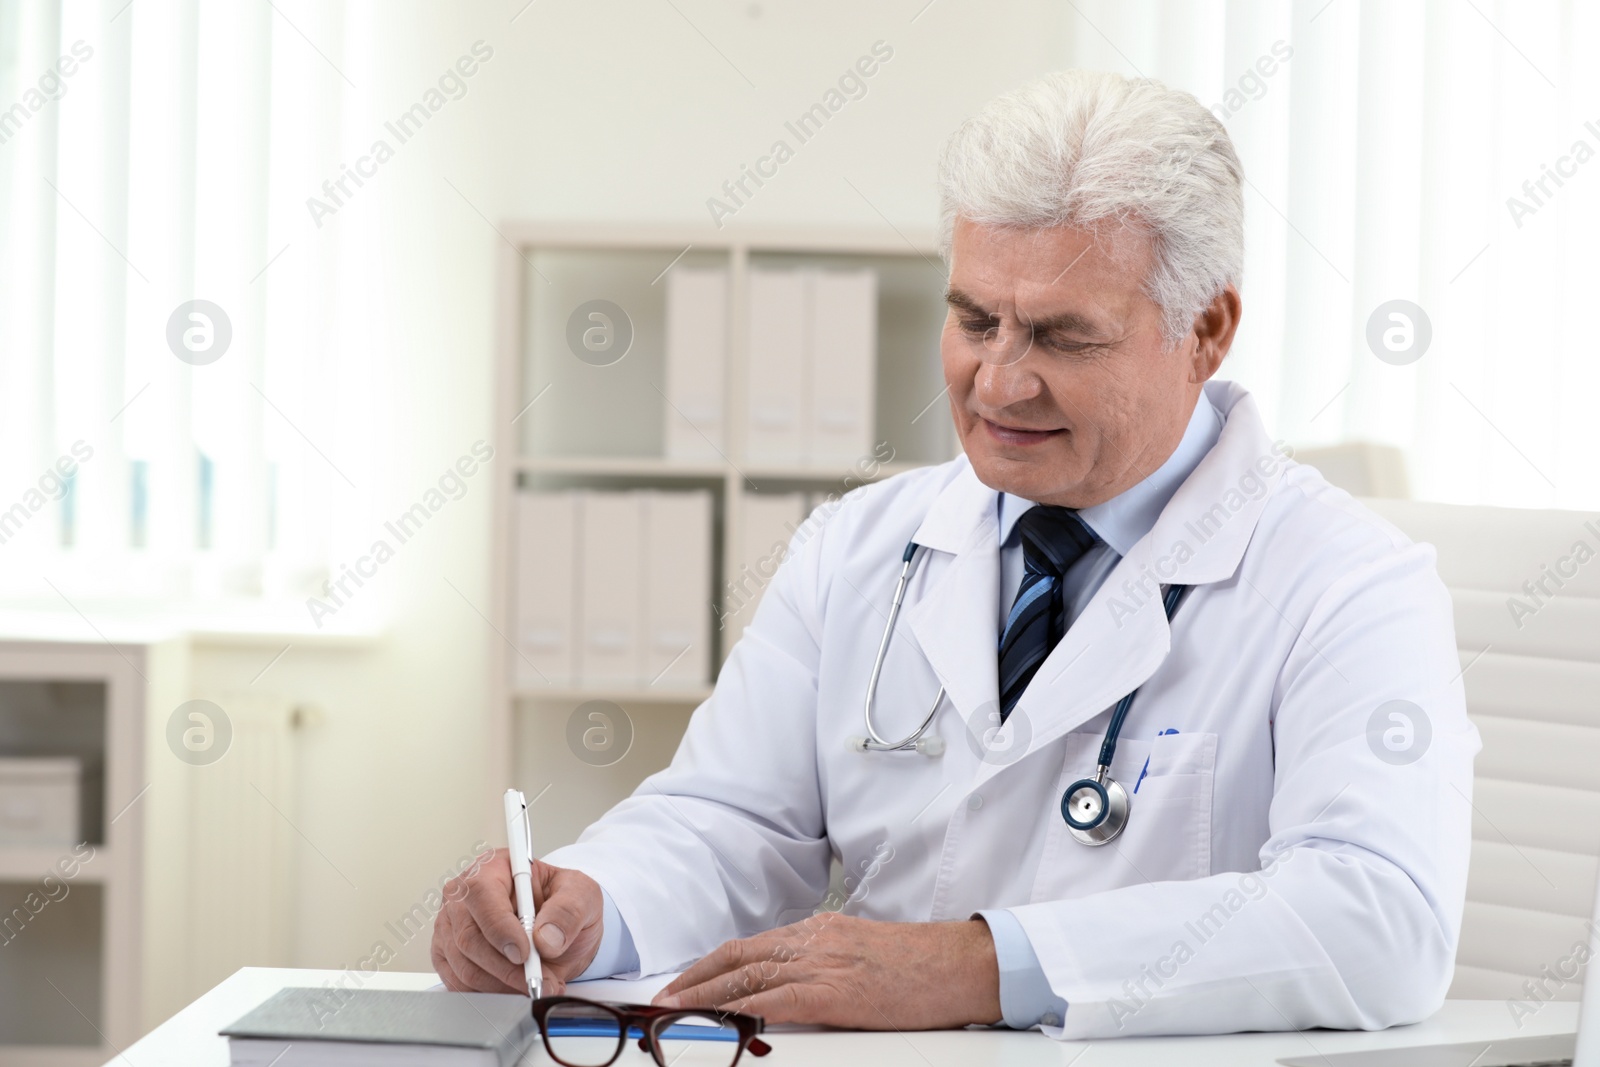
column 834, row 970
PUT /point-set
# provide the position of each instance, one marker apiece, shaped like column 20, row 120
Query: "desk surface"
column 189, row 1038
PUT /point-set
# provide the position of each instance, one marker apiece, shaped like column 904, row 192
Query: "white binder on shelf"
column 777, row 382
column 546, row 591
column 611, row 582
column 697, row 361
column 769, row 525
column 677, row 567
column 843, row 336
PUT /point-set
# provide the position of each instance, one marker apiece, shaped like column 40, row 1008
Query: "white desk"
column 189, row 1038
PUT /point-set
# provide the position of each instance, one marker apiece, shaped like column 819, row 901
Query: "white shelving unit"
column 561, row 422
column 74, row 973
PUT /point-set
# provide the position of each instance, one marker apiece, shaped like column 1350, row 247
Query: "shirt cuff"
column 1026, row 999
column 616, row 954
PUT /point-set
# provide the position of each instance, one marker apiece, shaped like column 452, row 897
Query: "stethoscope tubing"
column 1108, row 747
column 874, row 741
column 1112, row 796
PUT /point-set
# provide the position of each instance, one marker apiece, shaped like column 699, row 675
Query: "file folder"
column 843, row 349
column 770, row 523
column 697, row 362
column 677, row 566
column 546, row 591
column 777, row 365
column 611, row 584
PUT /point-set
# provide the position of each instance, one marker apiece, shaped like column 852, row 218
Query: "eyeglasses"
column 586, row 1033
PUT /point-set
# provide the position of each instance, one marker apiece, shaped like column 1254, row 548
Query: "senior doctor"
column 1296, row 757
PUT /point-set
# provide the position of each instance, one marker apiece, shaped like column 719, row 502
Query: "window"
column 180, row 342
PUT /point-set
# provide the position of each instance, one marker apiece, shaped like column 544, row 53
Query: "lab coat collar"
column 961, row 522
column 963, row 510
column 1122, row 635
column 1203, row 531
column 1207, row 519
column 1131, row 514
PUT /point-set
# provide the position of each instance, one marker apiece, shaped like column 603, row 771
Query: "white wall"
column 599, row 112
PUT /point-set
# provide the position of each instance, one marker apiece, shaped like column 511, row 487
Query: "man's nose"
column 1002, row 384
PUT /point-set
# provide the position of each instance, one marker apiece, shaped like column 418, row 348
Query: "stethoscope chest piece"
column 1096, row 809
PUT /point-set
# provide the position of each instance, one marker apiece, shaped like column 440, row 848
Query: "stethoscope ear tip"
column 856, row 744
column 931, row 746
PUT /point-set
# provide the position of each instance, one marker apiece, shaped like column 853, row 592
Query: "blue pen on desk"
column 1146, row 769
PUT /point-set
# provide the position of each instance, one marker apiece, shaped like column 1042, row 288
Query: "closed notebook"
column 302, row 1027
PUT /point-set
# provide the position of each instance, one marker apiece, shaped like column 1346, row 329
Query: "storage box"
column 39, row 800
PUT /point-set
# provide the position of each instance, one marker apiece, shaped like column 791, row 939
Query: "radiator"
column 242, row 843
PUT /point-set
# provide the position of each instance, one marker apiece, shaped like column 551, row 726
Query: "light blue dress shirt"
column 1026, row 999
column 616, row 957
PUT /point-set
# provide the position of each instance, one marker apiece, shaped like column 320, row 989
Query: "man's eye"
column 1057, row 344
column 978, row 327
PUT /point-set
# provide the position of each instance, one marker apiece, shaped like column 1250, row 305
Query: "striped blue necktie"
column 1053, row 539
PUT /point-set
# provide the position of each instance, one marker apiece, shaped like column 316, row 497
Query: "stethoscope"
column 1095, row 809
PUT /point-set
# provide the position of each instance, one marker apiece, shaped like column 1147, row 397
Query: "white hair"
column 1087, row 148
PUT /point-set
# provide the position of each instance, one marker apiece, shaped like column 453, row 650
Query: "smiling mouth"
column 1016, row 435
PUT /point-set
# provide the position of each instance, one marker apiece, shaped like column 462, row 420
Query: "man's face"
column 1061, row 385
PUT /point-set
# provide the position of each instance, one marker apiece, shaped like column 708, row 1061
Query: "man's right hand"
column 478, row 943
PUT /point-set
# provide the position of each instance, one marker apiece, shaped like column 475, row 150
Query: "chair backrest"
column 1526, row 586
column 1361, row 468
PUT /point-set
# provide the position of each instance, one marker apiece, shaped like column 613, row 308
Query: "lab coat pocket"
column 1168, row 837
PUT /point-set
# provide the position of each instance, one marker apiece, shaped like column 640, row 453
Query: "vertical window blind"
column 152, row 155
column 1435, row 152
column 155, row 154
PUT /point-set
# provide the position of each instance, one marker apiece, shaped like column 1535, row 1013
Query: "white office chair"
column 1361, row 468
column 1533, row 688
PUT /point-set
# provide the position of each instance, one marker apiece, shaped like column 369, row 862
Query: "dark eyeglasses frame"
column 651, row 1021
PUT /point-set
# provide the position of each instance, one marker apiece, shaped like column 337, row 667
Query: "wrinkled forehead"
column 995, row 266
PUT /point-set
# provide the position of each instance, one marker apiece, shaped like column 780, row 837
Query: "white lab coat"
column 1307, row 614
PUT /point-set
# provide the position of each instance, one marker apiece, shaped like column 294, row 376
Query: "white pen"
column 519, row 836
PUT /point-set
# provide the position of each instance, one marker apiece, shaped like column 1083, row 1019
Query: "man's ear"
column 1213, row 334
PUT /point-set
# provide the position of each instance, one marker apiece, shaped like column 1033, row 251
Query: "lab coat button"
column 1050, row 1019
column 974, row 802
